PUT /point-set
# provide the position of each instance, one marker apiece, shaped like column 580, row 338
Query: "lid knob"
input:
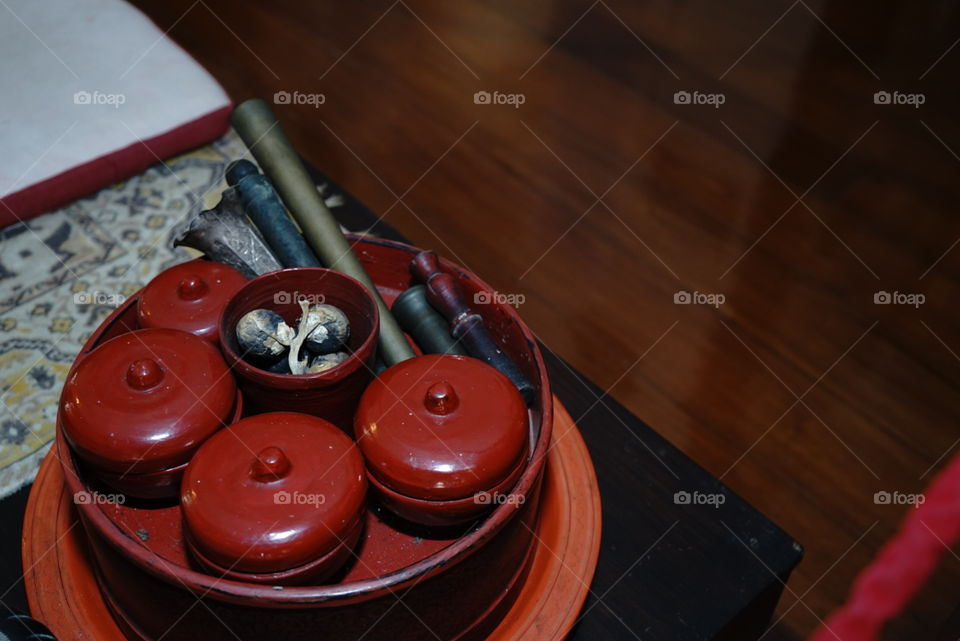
column 144, row 373
column 271, row 464
column 192, row 287
column 441, row 398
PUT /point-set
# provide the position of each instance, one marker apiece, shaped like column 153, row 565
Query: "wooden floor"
column 602, row 197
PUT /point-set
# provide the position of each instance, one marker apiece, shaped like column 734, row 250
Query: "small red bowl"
column 313, row 573
column 190, row 297
column 279, row 499
column 162, row 484
column 137, row 407
column 444, row 437
column 331, row 395
column 450, row 512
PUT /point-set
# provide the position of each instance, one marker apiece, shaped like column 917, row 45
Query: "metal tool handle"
column 261, row 132
column 262, row 204
column 428, row 328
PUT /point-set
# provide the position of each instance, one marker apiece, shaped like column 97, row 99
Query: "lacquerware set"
column 392, row 494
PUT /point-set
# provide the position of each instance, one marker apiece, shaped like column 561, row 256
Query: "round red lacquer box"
column 456, row 583
column 277, row 499
column 136, row 408
column 190, row 297
column 444, row 438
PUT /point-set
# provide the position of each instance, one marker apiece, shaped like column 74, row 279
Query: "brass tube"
column 261, row 132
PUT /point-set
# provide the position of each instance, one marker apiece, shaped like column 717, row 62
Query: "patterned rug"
column 61, row 274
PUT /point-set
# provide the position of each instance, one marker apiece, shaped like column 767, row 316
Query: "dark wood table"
column 603, row 196
column 668, row 570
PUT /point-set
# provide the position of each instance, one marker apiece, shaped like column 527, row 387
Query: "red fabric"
column 885, row 587
column 101, row 172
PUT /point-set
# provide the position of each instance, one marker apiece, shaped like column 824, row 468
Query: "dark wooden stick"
column 264, row 208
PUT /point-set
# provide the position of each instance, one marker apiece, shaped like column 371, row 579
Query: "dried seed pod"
column 262, row 333
column 331, row 332
column 282, row 366
column 326, row 361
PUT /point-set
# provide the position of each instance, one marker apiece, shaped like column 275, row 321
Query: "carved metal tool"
column 226, row 235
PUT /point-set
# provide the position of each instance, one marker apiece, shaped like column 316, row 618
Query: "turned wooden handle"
column 445, row 295
column 443, row 292
column 442, row 289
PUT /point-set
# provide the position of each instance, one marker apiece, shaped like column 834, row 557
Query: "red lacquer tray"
column 526, row 568
column 63, row 593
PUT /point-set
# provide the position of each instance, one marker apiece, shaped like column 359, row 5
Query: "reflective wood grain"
column 599, row 198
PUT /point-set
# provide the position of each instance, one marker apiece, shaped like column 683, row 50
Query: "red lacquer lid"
column 441, row 427
column 146, row 400
column 189, row 297
column 273, row 492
